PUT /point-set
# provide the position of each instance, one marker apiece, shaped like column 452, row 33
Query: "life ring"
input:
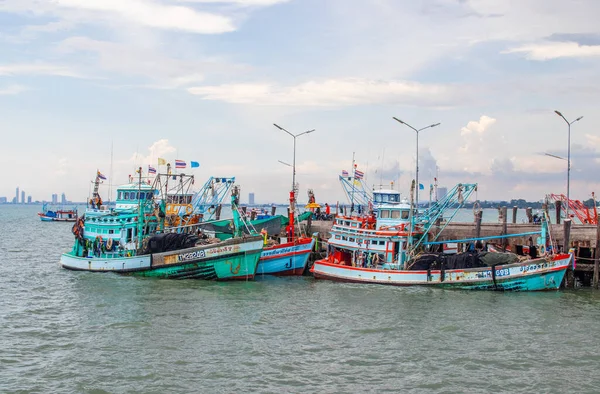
column 109, row 244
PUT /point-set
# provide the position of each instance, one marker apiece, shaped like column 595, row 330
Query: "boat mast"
column 111, row 172
column 353, row 180
column 140, row 213
column 237, row 222
column 291, row 211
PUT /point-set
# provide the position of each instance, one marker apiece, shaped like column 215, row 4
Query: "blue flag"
column 421, row 187
column 194, row 164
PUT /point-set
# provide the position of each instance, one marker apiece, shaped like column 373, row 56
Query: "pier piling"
column 504, row 228
column 596, row 255
column 514, row 217
column 528, row 212
column 558, row 205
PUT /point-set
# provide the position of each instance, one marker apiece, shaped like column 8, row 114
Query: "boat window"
column 347, row 223
column 395, row 214
column 142, row 196
column 405, row 214
column 337, row 237
column 377, row 197
column 354, row 224
column 352, row 240
column 384, row 214
column 395, row 198
column 120, row 196
column 344, row 238
column 111, row 231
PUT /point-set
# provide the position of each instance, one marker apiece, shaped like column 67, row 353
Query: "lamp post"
column 294, row 162
column 568, row 157
column 417, row 161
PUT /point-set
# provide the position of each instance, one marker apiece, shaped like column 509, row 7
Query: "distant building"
column 3, row 200
column 28, row 199
column 442, row 192
column 22, row 196
column 63, row 199
column 16, row 200
column 54, row 198
column 250, row 198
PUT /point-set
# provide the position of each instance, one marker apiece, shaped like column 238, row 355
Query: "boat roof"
column 135, row 186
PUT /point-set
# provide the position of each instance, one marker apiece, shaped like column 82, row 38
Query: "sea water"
column 80, row 332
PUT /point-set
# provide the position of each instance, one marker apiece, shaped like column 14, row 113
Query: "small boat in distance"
column 58, row 214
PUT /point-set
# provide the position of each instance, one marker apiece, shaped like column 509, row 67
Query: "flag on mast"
column 151, row 170
column 180, row 164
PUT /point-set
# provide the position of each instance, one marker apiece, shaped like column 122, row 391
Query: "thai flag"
column 344, row 173
column 180, row 164
column 358, row 174
column 151, row 170
column 101, row 176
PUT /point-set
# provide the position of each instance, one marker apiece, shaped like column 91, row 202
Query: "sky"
column 112, row 85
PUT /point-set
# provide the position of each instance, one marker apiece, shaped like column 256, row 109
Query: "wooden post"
column 528, row 212
column 515, row 214
column 558, row 205
column 597, row 254
column 218, row 213
column 273, row 209
column 504, row 228
column 570, row 278
column 478, row 217
column 566, row 235
column 500, row 214
column 309, row 225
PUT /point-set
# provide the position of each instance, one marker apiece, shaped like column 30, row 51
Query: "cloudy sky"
column 205, row 80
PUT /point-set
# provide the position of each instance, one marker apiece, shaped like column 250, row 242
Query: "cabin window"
column 142, row 196
column 347, row 223
column 405, row 214
column 120, row 196
column 354, row 224
column 395, row 214
column 384, row 214
column 344, row 238
column 352, row 240
column 337, row 237
column 367, row 242
column 111, row 231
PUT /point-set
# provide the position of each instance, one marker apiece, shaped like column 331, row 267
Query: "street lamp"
column 294, row 162
column 417, row 169
column 568, row 157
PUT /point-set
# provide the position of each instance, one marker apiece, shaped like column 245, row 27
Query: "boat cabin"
column 389, row 209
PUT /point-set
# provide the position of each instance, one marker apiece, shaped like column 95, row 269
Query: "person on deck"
column 327, row 209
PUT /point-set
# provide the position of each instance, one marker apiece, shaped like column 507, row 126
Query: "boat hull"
column 286, row 259
column 532, row 275
column 44, row 218
column 233, row 260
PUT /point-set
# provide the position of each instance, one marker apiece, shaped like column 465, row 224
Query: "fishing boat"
column 57, row 214
column 290, row 256
column 133, row 239
column 381, row 248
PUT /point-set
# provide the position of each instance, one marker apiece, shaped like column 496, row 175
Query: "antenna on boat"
column 110, row 176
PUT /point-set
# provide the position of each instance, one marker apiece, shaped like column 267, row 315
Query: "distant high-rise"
column 250, row 198
column 28, row 199
column 22, row 196
column 16, row 200
column 54, row 198
column 63, row 199
column 442, row 192
column 3, row 200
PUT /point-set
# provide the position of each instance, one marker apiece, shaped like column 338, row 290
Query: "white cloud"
column 478, row 127
column 259, row 3
column 332, row 92
column 154, row 14
column 39, row 69
column 593, row 139
column 12, row 89
column 555, row 50
column 130, row 60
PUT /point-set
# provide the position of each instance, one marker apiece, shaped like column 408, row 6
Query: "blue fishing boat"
column 290, row 257
column 57, row 214
column 381, row 248
column 133, row 239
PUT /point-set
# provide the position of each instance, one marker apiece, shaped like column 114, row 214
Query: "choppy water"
column 63, row 331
